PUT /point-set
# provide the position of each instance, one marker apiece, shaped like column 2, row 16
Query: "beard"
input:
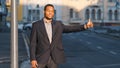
column 49, row 18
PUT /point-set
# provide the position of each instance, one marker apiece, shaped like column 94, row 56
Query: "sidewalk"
column 71, row 62
column 5, row 48
column 25, row 64
column 75, row 62
column 106, row 33
column 111, row 31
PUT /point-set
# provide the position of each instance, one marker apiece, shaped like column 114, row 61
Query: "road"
column 91, row 50
column 83, row 50
column 5, row 49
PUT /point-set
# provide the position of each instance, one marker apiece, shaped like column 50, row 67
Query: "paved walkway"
column 5, row 49
column 75, row 62
column 72, row 61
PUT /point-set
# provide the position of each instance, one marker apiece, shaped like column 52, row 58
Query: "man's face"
column 49, row 12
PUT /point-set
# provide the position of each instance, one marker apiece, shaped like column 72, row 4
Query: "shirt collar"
column 47, row 21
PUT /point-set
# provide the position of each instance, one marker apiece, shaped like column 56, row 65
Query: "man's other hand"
column 34, row 64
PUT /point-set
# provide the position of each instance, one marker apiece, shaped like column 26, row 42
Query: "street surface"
column 89, row 50
column 5, row 49
column 83, row 50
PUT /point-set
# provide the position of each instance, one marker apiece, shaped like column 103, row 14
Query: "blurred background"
column 98, row 47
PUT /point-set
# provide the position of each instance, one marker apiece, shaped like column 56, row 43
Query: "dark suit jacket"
column 40, row 47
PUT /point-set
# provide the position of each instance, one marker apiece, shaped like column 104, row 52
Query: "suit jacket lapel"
column 53, row 29
column 43, row 30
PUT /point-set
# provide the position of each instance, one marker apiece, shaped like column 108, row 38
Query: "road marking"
column 4, row 58
column 26, row 44
column 5, row 61
column 25, row 64
column 80, row 39
column 113, row 52
column 85, row 34
column 72, row 37
column 108, row 65
column 99, row 47
column 70, row 33
column 88, row 42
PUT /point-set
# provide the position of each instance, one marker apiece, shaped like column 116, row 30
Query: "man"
column 46, row 48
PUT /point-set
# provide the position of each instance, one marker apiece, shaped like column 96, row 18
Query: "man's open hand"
column 89, row 24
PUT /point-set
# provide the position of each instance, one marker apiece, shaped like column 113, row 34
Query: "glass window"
column 110, row 14
column 116, row 14
column 55, row 14
column 38, row 14
column 93, row 14
column 17, row 2
column 112, row 0
column 29, row 14
column 87, row 16
column 109, row 0
column 99, row 14
column 33, row 11
column 77, row 15
column 71, row 13
column 37, row 6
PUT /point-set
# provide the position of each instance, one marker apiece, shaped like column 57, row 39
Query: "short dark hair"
column 47, row 6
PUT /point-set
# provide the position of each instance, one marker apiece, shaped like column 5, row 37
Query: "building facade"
column 33, row 10
column 3, row 12
column 19, row 10
column 101, row 12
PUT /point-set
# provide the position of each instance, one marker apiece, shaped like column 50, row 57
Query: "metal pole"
column 103, row 14
column 14, row 35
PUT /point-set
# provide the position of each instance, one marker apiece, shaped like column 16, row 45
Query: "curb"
column 25, row 64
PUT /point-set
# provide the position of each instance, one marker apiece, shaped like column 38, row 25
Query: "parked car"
column 27, row 26
column 8, row 24
column 20, row 25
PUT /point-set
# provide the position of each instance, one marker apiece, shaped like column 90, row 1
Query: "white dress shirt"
column 48, row 27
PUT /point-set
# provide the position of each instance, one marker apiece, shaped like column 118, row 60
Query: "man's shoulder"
column 36, row 22
column 58, row 21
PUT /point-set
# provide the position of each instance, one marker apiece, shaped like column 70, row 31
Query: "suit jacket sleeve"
column 33, row 42
column 72, row 28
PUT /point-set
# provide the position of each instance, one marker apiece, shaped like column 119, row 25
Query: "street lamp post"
column 14, row 35
column 117, row 6
column 103, row 14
